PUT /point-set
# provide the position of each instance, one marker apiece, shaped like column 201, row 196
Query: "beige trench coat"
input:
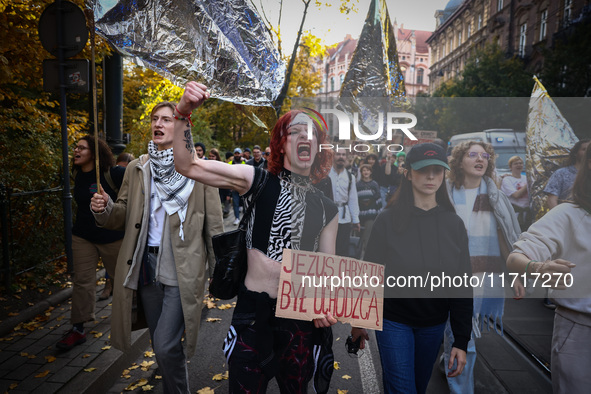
column 131, row 213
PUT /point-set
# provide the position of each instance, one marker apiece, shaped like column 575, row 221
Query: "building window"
column 568, row 6
column 499, row 5
column 543, row 22
column 459, row 38
column 332, row 84
column 469, row 30
column 479, row 22
column 420, row 73
column 522, row 39
column 342, row 78
column 451, row 45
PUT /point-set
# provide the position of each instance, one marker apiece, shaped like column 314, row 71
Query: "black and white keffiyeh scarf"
column 173, row 189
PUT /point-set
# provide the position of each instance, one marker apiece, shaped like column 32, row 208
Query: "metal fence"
column 32, row 230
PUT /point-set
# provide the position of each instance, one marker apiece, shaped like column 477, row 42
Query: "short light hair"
column 513, row 159
column 361, row 167
column 456, row 175
column 160, row 105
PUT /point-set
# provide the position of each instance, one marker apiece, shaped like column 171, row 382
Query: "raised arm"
column 210, row 172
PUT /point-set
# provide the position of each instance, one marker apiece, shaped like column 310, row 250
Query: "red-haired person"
column 290, row 213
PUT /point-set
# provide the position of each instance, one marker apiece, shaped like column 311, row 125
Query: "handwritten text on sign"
column 313, row 284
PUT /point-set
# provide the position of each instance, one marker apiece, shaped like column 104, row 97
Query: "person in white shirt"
column 344, row 192
column 514, row 186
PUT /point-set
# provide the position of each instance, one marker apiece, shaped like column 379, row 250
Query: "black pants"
column 343, row 239
column 260, row 346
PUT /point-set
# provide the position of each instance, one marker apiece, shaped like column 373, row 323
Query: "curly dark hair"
column 456, row 175
column 106, row 158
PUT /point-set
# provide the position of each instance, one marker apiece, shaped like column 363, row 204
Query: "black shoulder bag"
column 230, row 254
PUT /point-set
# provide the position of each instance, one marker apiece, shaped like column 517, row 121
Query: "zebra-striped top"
column 290, row 213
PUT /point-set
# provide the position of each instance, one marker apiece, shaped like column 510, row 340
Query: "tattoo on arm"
column 189, row 141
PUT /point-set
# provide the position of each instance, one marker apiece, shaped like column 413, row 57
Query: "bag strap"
column 350, row 180
column 109, row 180
column 246, row 216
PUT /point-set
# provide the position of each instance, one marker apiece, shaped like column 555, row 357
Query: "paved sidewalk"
column 31, row 363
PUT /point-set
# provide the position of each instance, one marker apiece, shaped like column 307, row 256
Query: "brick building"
column 414, row 57
column 521, row 28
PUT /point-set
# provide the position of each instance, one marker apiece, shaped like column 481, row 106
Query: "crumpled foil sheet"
column 549, row 139
column 374, row 70
column 222, row 44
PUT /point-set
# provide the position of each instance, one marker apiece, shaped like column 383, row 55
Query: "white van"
column 506, row 142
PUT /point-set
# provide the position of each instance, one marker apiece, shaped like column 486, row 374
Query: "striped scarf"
column 173, row 189
column 485, row 256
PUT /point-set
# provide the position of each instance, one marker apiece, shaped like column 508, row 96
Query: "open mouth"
column 158, row 133
column 304, row 151
column 479, row 166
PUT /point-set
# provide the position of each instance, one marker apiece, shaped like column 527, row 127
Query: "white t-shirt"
column 157, row 213
column 510, row 185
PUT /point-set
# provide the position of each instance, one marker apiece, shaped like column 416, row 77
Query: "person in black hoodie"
column 419, row 234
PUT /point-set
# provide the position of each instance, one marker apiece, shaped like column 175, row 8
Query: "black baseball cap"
column 427, row 154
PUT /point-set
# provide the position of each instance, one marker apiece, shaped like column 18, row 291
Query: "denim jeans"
column 464, row 383
column 236, row 204
column 384, row 196
column 164, row 314
column 408, row 354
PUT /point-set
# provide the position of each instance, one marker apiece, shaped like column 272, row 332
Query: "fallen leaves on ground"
column 210, row 304
column 106, row 347
column 221, row 376
column 89, row 369
column 50, row 359
column 146, row 365
column 148, row 353
column 205, row 390
column 339, row 391
column 225, row 306
column 337, row 365
column 85, row 355
column 135, row 385
column 346, row 377
column 213, row 319
column 42, row 374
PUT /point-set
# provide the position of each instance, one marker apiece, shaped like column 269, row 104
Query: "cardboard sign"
column 313, row 284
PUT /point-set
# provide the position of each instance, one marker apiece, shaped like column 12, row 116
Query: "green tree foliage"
column 488, row 73
column 30, row 135
column 495, row 81
column 305, row 82
column 566, row 71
